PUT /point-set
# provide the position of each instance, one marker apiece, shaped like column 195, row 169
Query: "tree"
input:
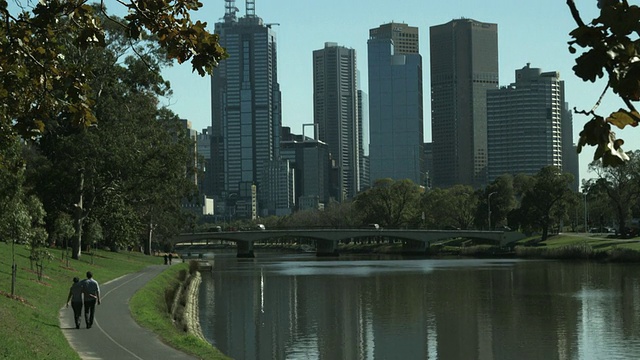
column 14, row 216
column 341, row 215
column 390, row 203
column 619, row 186
column 62, row 233
column 132, row 169
column 455, row 206
column 549, row 193
column 37, row 235
column 610, row 41
column 40, row 89
column 502, row 201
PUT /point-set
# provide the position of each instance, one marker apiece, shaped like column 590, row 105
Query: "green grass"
column 149, row 308
column 581, row 246
column 29, row 326
column 597, row 242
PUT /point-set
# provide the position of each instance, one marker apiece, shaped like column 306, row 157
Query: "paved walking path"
column 114, row 334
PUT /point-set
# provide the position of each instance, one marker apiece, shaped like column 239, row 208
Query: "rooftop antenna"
column 251, row 8
column 230, row 11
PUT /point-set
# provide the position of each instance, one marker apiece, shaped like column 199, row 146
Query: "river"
column 279, row 306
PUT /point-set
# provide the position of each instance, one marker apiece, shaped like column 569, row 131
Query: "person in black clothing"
column 91, row 291
column 75, row 296
column 170, row 257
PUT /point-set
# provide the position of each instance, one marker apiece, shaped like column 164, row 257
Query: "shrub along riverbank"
column 151, row 307
column 570, row 246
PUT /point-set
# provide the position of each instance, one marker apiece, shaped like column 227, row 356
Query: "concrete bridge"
column 413, row 241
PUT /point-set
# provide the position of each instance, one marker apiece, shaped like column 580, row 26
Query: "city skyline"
column 535, row 33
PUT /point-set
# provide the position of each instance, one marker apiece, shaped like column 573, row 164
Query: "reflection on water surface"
column 302, row 307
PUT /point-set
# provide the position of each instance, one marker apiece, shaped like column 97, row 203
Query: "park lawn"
column 30, row 327
column 565, row 240
column 596, row 242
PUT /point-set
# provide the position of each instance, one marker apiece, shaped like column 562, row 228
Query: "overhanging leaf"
column 622, row 118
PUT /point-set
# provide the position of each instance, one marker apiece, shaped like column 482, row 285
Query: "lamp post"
column 585, row 213
column 489, row 208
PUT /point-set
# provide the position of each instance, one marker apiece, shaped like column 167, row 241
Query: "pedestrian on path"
column 91, row 291
column 75, row 296
column 170, row 257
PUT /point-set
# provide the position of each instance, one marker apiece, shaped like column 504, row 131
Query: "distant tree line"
column 539, row 204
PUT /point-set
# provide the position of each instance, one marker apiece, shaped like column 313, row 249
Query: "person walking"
column 91, row 291
column 75, row 296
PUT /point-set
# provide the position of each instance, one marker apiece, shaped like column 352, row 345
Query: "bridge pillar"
column 415, row 247
column 245, row 249
column 326, row 247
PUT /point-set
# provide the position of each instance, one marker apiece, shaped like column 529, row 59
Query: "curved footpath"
column 114, row 334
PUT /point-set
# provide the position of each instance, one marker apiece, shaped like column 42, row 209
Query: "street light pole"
column 489, row 208
column 585, row 213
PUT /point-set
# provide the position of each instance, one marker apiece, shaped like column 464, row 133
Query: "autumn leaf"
column 622, row 118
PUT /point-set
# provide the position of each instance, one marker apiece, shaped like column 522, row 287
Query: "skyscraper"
column 310, row 159
column 396, row 123
column 363, row 137
column 335, row 111
column 246, row 109
column 528, row 124
column 464, row 65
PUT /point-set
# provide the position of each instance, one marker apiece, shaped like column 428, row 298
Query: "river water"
column 280, row 306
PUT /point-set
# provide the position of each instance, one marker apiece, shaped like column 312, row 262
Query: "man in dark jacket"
column 75, row 296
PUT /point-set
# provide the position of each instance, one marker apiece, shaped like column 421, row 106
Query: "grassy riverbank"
column 149, row 308
column 568, row 246
column 29, row 327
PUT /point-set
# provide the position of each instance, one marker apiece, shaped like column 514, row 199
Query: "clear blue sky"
column 533, row 32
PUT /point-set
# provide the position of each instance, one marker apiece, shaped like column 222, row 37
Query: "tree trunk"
column 78, row 217
column 621, row 222
column 545, row 229
column 147, row 246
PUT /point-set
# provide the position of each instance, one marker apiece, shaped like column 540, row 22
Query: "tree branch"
column 575, row 13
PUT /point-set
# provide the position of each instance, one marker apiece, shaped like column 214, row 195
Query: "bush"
column 530, row 252
column 623, row 255
column 169, row 296
column 182, row 275
column 193, row 267
column 574, row 251
column 479, row 250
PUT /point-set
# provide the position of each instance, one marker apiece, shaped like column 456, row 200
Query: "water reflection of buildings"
column 549, row 312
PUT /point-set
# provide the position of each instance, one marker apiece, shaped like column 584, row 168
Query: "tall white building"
column 525, row 124
column 246, row 110
column 335, row 112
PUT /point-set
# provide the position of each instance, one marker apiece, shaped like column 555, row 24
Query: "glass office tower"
column 464, row 65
